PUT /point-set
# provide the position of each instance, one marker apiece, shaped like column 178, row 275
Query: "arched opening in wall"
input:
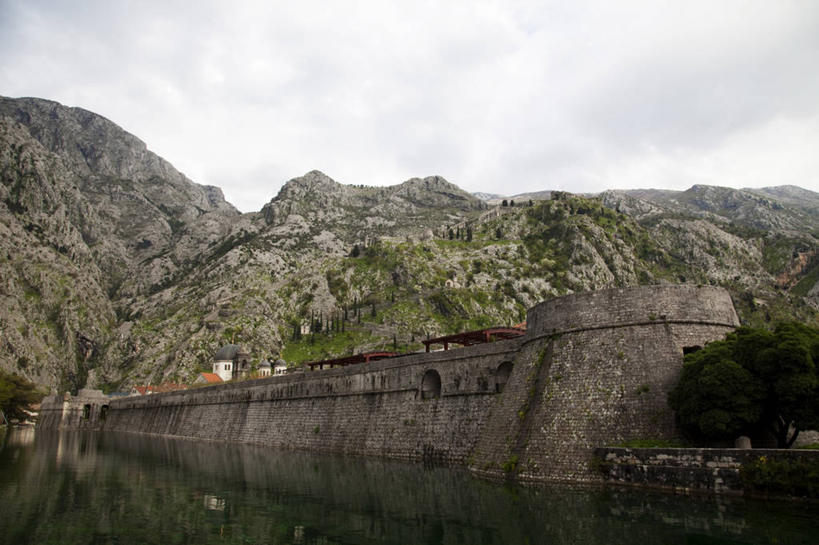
column 690, row 349
column 103, row 412
column 86, row 412
column 431, row 385
column 502, row 375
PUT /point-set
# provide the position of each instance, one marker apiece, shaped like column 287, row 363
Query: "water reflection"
column 120, row 488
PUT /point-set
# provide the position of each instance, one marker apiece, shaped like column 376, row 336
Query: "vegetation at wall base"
column 754, row 382
column 782, row 477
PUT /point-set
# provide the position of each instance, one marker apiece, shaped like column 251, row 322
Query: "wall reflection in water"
column 120, row 488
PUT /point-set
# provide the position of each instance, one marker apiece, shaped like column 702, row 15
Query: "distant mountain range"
column 115, row 269
column 700, row 199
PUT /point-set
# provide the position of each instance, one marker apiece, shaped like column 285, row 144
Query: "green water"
column 70, row 488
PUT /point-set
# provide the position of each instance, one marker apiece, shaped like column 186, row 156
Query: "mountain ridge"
column 116, row 269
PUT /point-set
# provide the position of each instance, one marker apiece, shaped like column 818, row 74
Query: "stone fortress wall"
column 383, row 408
column 595, row 370
column 592, row 370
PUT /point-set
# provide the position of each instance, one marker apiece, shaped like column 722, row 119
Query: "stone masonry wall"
column 86, row 411
column 371, row 409
column 595, row 370
column 686, row 470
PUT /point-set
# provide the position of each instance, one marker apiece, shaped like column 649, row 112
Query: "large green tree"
column 16, row 394
column 754, row 380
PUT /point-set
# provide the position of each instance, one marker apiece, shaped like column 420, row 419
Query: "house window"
column 103, row 412
column 86, row 412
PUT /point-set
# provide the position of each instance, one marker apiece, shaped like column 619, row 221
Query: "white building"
column 231, row 362
column 280, row 367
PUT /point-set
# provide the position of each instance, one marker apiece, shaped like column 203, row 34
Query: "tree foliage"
column 753, row 381
column 16, row 394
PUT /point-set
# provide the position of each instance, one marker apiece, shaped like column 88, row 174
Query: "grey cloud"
column 503, row 96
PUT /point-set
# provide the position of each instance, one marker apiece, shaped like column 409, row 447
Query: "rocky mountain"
column 336, row 216
column 486, row 196
column 520, row 198
column 115, row 269
column 90, row 217
column 138, row 215
column 781, row 209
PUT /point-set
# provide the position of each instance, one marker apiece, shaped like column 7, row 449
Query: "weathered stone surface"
column 685, row 470
column 743, row 442
column 596, row 369
column 371, row 409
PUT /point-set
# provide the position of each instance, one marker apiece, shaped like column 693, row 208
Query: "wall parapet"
column 633, row 306
column 462, row 371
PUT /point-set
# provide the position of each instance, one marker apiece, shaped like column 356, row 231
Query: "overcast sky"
column 496, row 96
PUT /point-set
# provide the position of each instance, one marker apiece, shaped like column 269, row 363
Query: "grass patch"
column 321, row 346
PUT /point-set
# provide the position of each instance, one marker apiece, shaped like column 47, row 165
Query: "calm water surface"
column 68, row 488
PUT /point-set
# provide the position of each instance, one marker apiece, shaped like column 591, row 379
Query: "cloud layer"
column 496, row 96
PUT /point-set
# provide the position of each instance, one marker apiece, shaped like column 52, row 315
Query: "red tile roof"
column 160, row 388
column 211, row 377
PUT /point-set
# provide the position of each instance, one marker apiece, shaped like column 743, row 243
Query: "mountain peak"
column 311, row 181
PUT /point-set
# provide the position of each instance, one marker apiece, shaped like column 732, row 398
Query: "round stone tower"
column 595, row 370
